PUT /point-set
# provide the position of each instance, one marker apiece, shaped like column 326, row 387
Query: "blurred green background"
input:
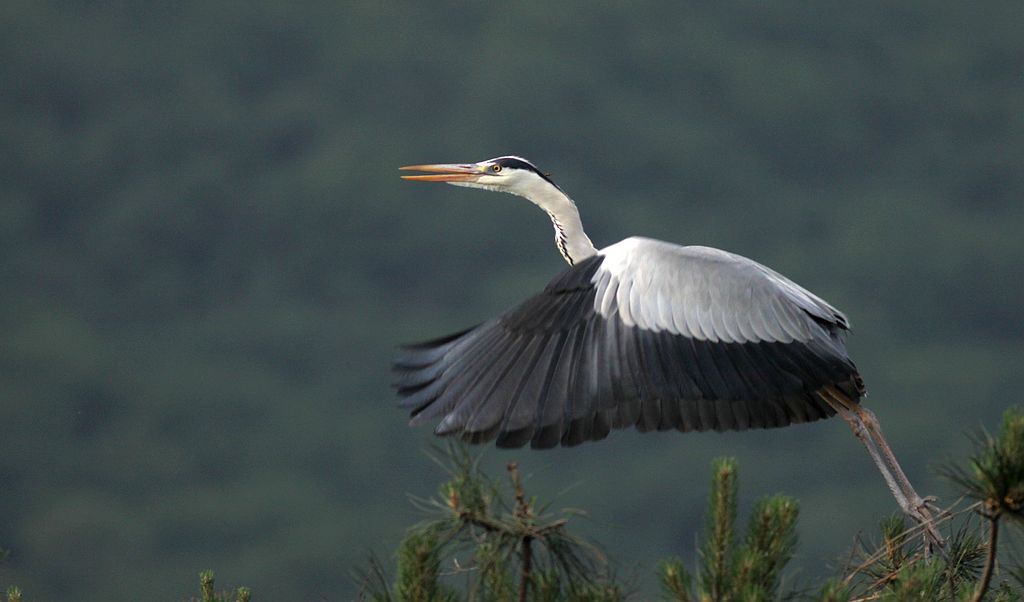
column 207, row 258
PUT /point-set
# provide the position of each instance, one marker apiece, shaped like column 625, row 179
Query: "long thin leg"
column 922, row 505
column 862, row 433
column 866, row 427
column 869, row 420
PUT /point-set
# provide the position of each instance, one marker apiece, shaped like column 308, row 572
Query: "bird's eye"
column 496, row 168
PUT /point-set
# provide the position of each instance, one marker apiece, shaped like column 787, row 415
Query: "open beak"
column 447, row 172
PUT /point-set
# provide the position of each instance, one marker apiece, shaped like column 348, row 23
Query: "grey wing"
column 644, row 334
column 709, row 294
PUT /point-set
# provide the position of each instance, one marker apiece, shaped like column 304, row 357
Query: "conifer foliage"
column 496, row 544
column 730, row 569
column 486, row 540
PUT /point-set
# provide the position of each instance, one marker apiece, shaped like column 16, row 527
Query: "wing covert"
column 708, row 294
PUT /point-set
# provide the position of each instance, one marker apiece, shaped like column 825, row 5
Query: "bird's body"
column 641, row 333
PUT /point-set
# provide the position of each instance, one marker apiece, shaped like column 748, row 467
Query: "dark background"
column 207, row 258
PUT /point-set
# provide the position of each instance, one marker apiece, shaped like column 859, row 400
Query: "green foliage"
column 833, row 590
column 917, row 581
column 965, row 556
column 995, row 472
column 995, row 478
column 892, row 553
column 208, row 592
column 488, row 542
column 206, row 579
column 1004, row 592
column 769, row 545
column 900, row 568
column 479, row 530
column 716, row 553
column 13, row 593
column 501, row 543
column 419, row 568
column 496, row 581
column 676, row 582
column 750, row 571
column 472, row 515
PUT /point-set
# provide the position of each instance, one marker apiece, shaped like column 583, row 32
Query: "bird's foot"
column 924, row 511
column 928, row 502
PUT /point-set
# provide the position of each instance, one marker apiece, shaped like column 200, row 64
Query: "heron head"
column 505, row 174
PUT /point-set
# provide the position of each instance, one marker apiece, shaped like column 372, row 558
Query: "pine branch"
column 525, row 514
column 769, row 545
column 716, row 553
column 675, row 580
column 990, row 559
column 419, row 568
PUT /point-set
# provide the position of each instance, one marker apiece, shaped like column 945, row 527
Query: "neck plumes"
column 571, row 240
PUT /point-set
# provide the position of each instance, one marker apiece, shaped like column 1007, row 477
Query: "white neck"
column 571, row 240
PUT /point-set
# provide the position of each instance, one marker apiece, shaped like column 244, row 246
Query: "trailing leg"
column 867, row 429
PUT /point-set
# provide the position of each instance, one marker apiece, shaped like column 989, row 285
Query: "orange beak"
column 448, row 172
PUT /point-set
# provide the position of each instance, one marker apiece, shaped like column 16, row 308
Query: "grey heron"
column 641, row 333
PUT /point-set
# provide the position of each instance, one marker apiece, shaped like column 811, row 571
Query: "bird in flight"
column 645, row 334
